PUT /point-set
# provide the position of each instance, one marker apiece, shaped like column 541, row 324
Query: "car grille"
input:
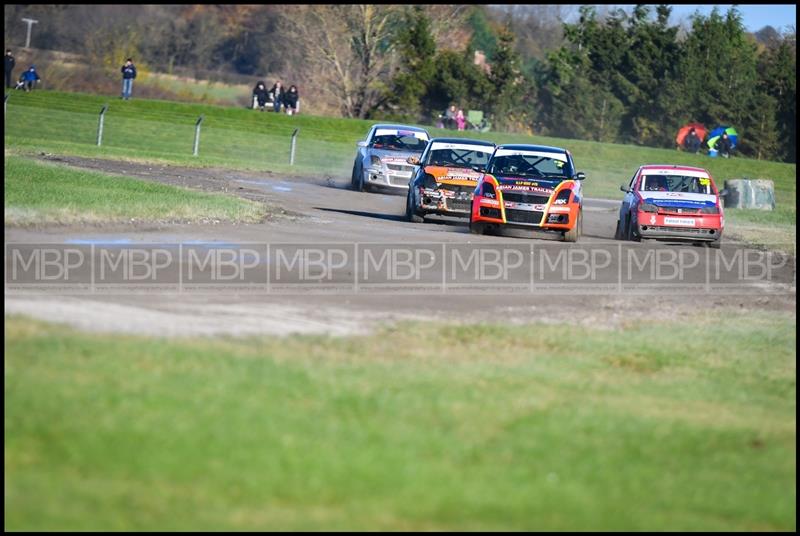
column 457, row 189
column 399, row 167
column 523, row 216
column 525, row 198
column 674, row 210
column 398, row 181
column 463, row 205
column 490, row 212
column 683, row 230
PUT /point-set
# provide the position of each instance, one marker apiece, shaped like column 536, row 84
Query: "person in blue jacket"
column 29, row 78
column 128, row 74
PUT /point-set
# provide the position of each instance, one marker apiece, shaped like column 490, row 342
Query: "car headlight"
column 375, row 161
column 709, row 210
column 563, row 197
column 648, row 207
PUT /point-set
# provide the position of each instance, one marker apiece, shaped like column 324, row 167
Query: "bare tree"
column 346, row 49
column 449, row 25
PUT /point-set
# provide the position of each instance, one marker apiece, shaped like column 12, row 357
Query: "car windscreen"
column 675, row 183
column 398, row 142
column 553, row 166
column 459, row 157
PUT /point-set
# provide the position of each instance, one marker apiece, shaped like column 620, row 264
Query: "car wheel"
column 411, row 214
column 358, row 180
column 618, row 232
column 477, row 228
column 573, row 234
column 716, row 244
column 354, row 176
column 630, row 234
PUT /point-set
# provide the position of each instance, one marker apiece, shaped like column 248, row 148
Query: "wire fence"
column 170, row 135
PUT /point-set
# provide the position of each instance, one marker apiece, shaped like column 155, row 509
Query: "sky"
column 754, row 16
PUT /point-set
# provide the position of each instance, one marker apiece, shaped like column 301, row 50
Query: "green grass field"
column 685, row 425
column 41, row 193
column 163, row 131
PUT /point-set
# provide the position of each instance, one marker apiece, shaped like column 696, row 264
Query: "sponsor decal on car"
column 513, row 152
column 684, row 222
column 395, row 132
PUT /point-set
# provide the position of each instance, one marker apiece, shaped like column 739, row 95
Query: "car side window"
column 633, row 180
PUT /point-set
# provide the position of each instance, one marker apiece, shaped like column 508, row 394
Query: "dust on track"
column 323, row 210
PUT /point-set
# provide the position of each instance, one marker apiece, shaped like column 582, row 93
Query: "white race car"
column 382, row 158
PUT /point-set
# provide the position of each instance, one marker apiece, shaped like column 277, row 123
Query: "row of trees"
column 607, row 76
column 629, row 78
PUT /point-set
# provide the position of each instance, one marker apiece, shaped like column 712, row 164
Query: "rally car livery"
column 532, row 187
column 382, row 158
column 446, row 177
column 671, row 202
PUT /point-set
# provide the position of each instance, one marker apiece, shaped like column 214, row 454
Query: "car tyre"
column 618, row 232
column 354, row 176
column 411, row 214
column 630, row 234
column 477, row 228
column 575, row 233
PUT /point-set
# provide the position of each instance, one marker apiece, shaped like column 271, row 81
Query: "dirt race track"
column 322, row 212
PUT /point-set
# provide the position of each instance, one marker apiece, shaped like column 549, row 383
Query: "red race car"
column 671, row 202
column 531, row 187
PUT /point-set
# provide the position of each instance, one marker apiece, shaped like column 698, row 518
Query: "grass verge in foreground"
column 688, row 425
column 42, row 193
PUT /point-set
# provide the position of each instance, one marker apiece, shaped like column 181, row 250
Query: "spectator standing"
column 692, row 142
column 128, row 74
column 29, row 78
column 450, row 117
column 461, row 121
column 10, row 62
column 261, row 95
column 290, row 99
column 724, row 145
column 277, row 95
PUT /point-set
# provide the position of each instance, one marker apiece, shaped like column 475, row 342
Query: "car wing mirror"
column 579, row 176
column 413, row 160
column 723, row 192
column 624, row 188
column 361, row 144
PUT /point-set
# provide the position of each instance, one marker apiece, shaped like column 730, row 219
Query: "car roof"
column 468, row 141
column 400, row 127
column 671, row 166
column 524, row 147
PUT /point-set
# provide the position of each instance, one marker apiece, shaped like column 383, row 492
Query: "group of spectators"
column 27, row 80
column 723, row 145
column 453, row 119
column 277, row 97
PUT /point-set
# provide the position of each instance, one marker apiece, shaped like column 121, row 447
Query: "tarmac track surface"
column 321, row 212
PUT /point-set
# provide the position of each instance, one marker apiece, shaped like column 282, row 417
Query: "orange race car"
column 529, row 187
column 444, row 183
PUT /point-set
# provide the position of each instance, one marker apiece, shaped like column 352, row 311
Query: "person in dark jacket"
column 29, row 78
column 277, row 93
column 260, row 94
column 290, row 99
column 692, row 142
column 10, row 62
column 128, row 74
column 724, row 145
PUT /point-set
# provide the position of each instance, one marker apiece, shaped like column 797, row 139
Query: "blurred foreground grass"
column 685, row 425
